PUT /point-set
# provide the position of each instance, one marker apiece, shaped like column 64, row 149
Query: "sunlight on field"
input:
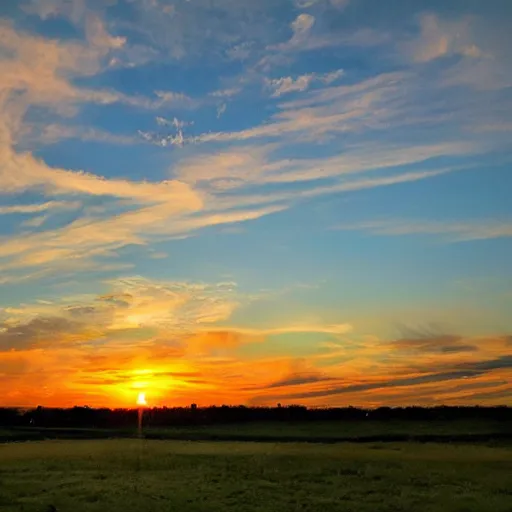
column 138, row 475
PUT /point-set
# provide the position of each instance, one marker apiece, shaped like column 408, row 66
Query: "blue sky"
column 310, row 187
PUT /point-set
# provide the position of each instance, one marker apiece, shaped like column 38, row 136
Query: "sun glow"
column 141, row 399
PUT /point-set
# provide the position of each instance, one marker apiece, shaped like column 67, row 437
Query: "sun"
column 141, row 399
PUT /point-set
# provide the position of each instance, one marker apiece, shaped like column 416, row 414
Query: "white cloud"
column 453, row 231
column 173, row 98
column 98, row 36
column 360, row 160
column 159, row 256
column 305, row 37
column 484, row 74
column 246, row 166
column 301, row 39
column 240, row 51
column 35, row 222
column 321, row 116
column 301, row 83
column 177, row 139
column 226, row 93
column 175, row 122
column 378, row 103
column 440, row 38
column 386, row 103
column 288, row 84
column 293, row 329
column 329, row 78
column 339, row 4
column 302, row 24
column 304, row 4
column 217, row 189
column 202, row 27
column 221, row 109
column 42, row 69
column 75, row 10
column 366, row 183
column 88, row 239
column 236, row 166
column 51, row 133
column 40, row 72
column 481, row 62
column 301, row 31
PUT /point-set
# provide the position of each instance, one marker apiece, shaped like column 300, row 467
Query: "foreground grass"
column 141, row 475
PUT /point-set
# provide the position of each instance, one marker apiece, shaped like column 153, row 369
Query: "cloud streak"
column 286, row 85
column 39, row 208
column 451, row 231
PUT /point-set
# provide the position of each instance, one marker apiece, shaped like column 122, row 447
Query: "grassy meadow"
column 151, row 475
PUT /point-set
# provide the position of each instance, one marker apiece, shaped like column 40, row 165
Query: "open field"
column 473, row 430
column 141, row 475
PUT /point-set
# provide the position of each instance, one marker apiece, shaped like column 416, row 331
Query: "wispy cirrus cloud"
column 478, row 57
column 41, row 78
column 441, row 38
column 368, row 106
column 316, row 115
column 41, row 72
column 75, row 10
column 22, row 172
column 289, row 84
column 52, row 133
column 301, row 29
column 428, row 340
column 248, row 166
column 39, row 208
column 304, row 4
column 452, row 231
column 226, row 93
column 174, row 98
column 83, row 244
column 298, row 328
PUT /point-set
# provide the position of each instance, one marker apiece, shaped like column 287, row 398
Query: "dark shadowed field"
column 150, row 475
column 463, row 430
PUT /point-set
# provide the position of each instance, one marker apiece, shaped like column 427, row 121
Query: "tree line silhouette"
column 86, row 417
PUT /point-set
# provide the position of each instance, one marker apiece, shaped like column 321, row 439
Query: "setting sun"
column 141, row 399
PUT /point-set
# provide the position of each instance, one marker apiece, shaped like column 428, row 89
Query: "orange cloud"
column 174, row 342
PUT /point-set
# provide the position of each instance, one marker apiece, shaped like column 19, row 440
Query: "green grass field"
column 142, row 475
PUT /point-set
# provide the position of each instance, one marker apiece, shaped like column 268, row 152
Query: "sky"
column 255, row 202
